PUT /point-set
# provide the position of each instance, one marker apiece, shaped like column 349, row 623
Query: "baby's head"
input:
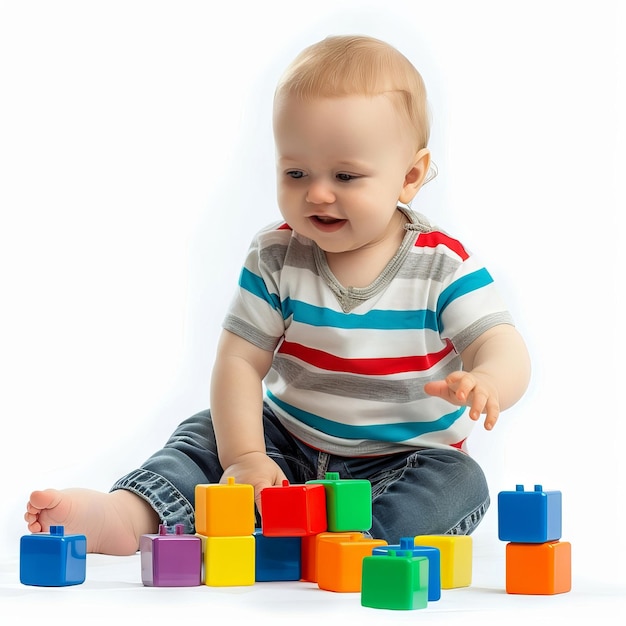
column 359, row 65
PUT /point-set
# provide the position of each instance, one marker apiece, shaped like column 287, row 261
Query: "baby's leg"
column 112, row 522
column 427, row 492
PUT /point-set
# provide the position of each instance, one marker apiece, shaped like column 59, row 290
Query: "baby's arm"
column 237, row 410
column 496, row 375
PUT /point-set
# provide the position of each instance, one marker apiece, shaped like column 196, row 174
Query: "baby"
column 361, row 338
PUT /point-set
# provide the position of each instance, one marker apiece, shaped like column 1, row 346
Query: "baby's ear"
column 416, row 175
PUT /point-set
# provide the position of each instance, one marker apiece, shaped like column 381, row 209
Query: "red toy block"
column 539, row 568
column 293, row 510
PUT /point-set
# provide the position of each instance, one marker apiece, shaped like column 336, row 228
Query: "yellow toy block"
column 456, row 558
column 228, row 561
column 340, row 561
column 539, row 568
column 224, row 510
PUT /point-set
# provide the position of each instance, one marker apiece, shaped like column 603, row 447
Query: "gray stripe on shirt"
column 355, row 386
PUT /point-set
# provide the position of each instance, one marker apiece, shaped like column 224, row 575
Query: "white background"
column 136, row 162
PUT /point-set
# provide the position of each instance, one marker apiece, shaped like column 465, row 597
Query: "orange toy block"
column 340, row 561
column 456, row 558
column 309, row 549
column 224, row 510
column 539, row 568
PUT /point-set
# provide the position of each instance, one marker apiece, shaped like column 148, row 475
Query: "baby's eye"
column 295, row 174
column 345, row 178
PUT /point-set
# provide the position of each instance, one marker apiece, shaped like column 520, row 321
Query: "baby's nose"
column 320, row 192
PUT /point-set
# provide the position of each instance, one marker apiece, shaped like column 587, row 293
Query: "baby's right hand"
column 256, row 469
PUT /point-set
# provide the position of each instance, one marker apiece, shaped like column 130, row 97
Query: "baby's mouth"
column 326, row 223
column 325, row 219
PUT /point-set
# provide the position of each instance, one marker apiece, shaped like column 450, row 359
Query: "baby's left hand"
column 472, row 389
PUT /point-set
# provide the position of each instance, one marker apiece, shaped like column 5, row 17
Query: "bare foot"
column 112, row 522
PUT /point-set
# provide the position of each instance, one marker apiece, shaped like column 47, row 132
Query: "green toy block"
column 395, row 581
column 348, row 503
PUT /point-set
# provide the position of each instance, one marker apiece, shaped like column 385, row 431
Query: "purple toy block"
column 171, row 559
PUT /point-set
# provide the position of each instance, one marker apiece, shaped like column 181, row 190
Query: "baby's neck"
column 360, row 268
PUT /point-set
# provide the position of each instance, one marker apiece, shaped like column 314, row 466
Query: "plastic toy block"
column 348, row 503
column 53, row 559
column 228, row 561
column 224, row 510
column 171, row 559
column 340, row 562
column 310, row 545
column 539, row 568
column 396, row 580
column 406, row 546
column 277, row 558
column 529, row 516
column 293, row 510
column 456, row 558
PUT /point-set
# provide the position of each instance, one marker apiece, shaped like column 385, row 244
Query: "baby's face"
column 341, row 166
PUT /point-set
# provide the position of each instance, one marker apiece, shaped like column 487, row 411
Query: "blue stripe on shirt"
column 462, row 286
column 256, row 286
column 305, row 313
column 376, row 319
column 395, row 432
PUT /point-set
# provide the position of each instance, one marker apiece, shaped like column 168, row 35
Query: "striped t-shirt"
column 350, row 364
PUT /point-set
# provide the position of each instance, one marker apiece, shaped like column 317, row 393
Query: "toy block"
column 171, row 559
column 340, row 561
column 348, row 503
column 406, row 546
column 395, row 580
column 224, row 510
column 228, row 561
column 539, row 568
column 53, row 559
column 277, row 558
column 310, row 545
column 529, row 516
column 293, row 510
column 456, row 558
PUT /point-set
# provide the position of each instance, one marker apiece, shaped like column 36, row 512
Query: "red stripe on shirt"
column 436, row 238
column 284, row 226
column 367, row 367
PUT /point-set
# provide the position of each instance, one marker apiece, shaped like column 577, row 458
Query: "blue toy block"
column 529, row 516
column 53, row 559
column 277, row 558
column 433, row 555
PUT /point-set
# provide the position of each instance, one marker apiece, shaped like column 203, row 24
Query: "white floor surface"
column 113, row 591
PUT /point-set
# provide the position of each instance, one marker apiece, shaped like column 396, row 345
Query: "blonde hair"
column 359, row 65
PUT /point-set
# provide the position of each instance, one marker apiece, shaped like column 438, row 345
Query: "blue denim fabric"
column 421, row 492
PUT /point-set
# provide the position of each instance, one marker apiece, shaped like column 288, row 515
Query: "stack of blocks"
column 225, row 523
column 329, row 516
column 537, row 561
column 314, row 532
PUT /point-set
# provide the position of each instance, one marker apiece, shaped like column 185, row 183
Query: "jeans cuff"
column 169, row 503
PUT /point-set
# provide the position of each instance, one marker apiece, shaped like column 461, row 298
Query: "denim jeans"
column 420, row 492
